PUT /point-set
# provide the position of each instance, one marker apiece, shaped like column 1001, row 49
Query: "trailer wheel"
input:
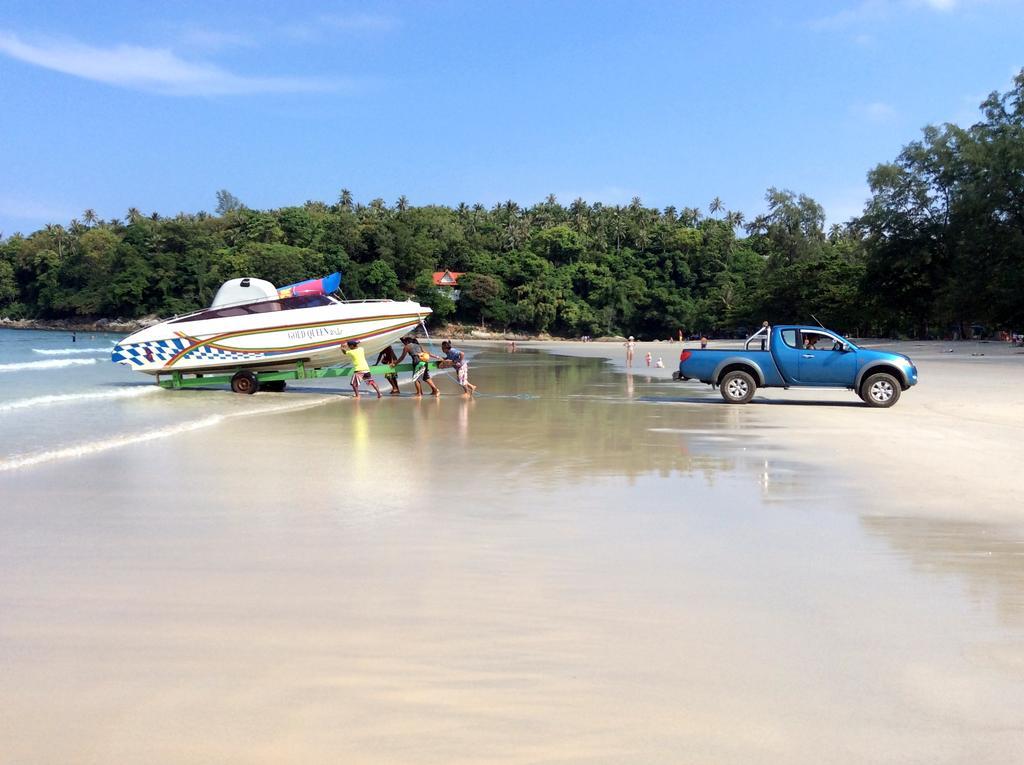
column 244, row 382
column 737, row 387
column 880, row 390
column 274, row 386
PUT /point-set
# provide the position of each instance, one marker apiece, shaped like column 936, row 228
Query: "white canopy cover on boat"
column 245, row 290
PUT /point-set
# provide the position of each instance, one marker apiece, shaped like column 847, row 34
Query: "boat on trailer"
column 255, row 332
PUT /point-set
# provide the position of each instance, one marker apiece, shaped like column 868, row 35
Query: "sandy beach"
column 950, row 447
column 578, row 566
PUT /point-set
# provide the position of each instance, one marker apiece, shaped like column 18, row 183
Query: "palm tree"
column 689, row 217
column 90, row 217
column 578, row 212
column 57, row 233
column 715, row 206
column 735, row 219
column 134, row 215
column 345, row 199
column 618, row 228
column 758, row 226
column 402, row 204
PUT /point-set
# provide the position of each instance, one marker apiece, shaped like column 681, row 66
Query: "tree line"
column 939, row 247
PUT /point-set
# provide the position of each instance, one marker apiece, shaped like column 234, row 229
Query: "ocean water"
column 61, row 398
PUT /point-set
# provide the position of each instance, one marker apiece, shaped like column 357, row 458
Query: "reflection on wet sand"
column 988, row 560
column 560, row 570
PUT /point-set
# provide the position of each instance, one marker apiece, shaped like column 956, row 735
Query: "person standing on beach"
column 360, row 369
column 647, row 358
column 458, row 359
column 703, row 342
column 630, row 347
column 387, row 356
column 420, row 364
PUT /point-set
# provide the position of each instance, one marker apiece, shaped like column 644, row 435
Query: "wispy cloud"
column 879, row 10
column 157, row 70
column 324, row 24
column 204, row 38
column 876, row 111
column 360, row 21
column 20, row 208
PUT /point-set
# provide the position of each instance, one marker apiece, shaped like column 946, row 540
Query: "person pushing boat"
column 360, row 369
column 420, row 364
column 387, row 356
column 458, row 360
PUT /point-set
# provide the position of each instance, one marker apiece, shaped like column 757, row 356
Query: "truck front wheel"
column 880, row 390
column 737, row 387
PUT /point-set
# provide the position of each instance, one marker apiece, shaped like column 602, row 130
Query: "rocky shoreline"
column 80, row 325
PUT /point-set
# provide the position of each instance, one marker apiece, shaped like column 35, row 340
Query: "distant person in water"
column 420, row 364
column 630, row 345
column 74, row 337
column 387, row 356
column 360, row 369
column 647, row 358
column 458, row 360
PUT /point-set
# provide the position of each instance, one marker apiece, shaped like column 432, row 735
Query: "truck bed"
column 703, row 364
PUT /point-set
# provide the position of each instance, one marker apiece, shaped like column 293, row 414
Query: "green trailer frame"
column 301, row 372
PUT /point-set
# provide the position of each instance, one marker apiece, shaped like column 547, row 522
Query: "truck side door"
column 824, row 362
column 786, row 352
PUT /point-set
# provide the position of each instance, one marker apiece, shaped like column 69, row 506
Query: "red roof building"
column 447, row 278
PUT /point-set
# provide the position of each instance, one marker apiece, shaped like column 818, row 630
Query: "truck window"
column 789, row 337
column 819, row 341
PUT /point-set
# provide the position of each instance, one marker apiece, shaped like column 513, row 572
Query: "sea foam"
column 75, row 398
column 70, row 351
column 117, row 442
column 22, row 366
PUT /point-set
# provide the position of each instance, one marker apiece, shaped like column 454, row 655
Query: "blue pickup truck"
column 791, row 356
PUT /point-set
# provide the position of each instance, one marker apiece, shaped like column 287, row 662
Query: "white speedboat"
column 251, row 325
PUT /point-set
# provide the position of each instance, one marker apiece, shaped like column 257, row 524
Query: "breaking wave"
column 74, row 398
column 48, row 364
column 70, row 351
column 117, row 442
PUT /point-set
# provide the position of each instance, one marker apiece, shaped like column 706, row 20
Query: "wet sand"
column 951, row 445
column 577, row 567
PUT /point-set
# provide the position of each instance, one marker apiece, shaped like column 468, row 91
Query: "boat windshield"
column 264, row 306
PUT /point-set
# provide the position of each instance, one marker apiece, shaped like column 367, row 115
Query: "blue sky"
column 157, row 106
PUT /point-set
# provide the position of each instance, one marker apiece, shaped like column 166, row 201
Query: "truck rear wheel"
column 737, row 387
column 244, row 382
column 880, row 390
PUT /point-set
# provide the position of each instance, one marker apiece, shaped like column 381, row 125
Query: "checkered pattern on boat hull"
column 148, row 352
column 162, row 351
column 215, row 354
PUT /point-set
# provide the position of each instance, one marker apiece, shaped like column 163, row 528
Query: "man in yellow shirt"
column 360, row 369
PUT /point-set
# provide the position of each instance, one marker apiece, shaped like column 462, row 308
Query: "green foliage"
column 8, row 287
column 943, row 233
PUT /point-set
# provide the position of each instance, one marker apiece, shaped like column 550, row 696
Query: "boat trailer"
column 249, row 381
